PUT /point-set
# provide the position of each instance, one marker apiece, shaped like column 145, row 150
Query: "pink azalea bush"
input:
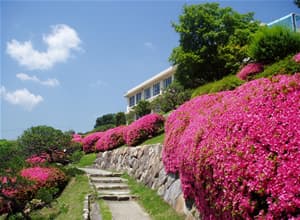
column 111, row 139
column 144, row 128
column 238, row 152
column 90, row 140
column 250, row 70
column 38, row 159
column 44, row 176
column 296, row 58
column 77, row 138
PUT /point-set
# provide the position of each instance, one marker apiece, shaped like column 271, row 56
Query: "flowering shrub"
column 15, row 192
column 250, row 70
column 90, row 140
column 38, row 159
column 144, row 128
column 297, row 58
column 44, row 176
column 239, row 151
column 77, row 138
column 111, row 139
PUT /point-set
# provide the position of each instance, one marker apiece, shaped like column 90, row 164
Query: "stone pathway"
column 114, row 190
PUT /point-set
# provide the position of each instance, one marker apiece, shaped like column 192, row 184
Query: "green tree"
column 43, row 139
column 297, row 2
column 213, row 43
column 120, row 118
column 171, row 98
column 142, row 108
column 105, row 119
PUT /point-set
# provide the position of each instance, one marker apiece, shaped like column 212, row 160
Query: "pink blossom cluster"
column 250, row 70
column 77, row 138
column 297, row 58
column 238, row 152
column 44, row 176
column 111, row 139
column 37, row 159
column 38, row 174
column 144, row 128
column 90, row 140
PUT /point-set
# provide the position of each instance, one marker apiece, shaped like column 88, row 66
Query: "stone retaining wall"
column 144, row 163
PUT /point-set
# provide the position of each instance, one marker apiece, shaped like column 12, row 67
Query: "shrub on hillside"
column 45, row 176
column 284, row 66
column 90, row 140
column 227, row 83
column 250, row 70
column 297, row 58
column 171, row 98
column 77, row 138
column 144, row 128
column 111, row 139
column 43, row 139
column 237, row 152
column 274, row 43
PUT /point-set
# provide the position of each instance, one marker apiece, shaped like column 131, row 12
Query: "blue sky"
column 64, row 64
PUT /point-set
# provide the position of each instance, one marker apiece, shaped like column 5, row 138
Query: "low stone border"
column 86, row 207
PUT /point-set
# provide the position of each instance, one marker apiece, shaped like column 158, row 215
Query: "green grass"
column 153, row 204
column 105, row 212
column 229, row 82
column 87, row 160
column 155, row 140
column 70, row 203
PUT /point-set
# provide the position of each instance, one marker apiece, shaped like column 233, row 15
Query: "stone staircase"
column 114, row 190
column 111, row 187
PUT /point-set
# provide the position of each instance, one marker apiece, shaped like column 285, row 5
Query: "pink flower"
column 144, row 128
column 77, row 138
column 111, row 139
column 250, row 70
column 297, row 58
column 237, row 152
column 37, row 159
column 90, row 140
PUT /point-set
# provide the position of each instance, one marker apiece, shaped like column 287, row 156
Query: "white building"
column 150, row 88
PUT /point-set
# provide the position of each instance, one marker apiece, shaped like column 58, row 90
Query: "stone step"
column 114, row 192
column 110, row 186
column 105, row 175
column 108, row 180
column 117, row 197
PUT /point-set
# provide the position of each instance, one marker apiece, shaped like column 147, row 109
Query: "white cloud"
column 149, row 45
column 48, row 82
column 21, row 97
column 60, row 42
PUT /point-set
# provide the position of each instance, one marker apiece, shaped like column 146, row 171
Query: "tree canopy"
column 212, row 43
column 43, row 139
column 105, row 120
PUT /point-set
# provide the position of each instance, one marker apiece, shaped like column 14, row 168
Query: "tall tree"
column 297, row 2
column 212, row 42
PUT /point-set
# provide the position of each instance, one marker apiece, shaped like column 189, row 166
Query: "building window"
column 147, row 93
column 138, row 97
column 131, row 101
column 156, row 89
column 167, row 82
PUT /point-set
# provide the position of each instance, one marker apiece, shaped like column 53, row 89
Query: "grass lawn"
column 155, row 140
column 87, row 160
column 105, row 212
column 157, row 208
column 70, row 203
